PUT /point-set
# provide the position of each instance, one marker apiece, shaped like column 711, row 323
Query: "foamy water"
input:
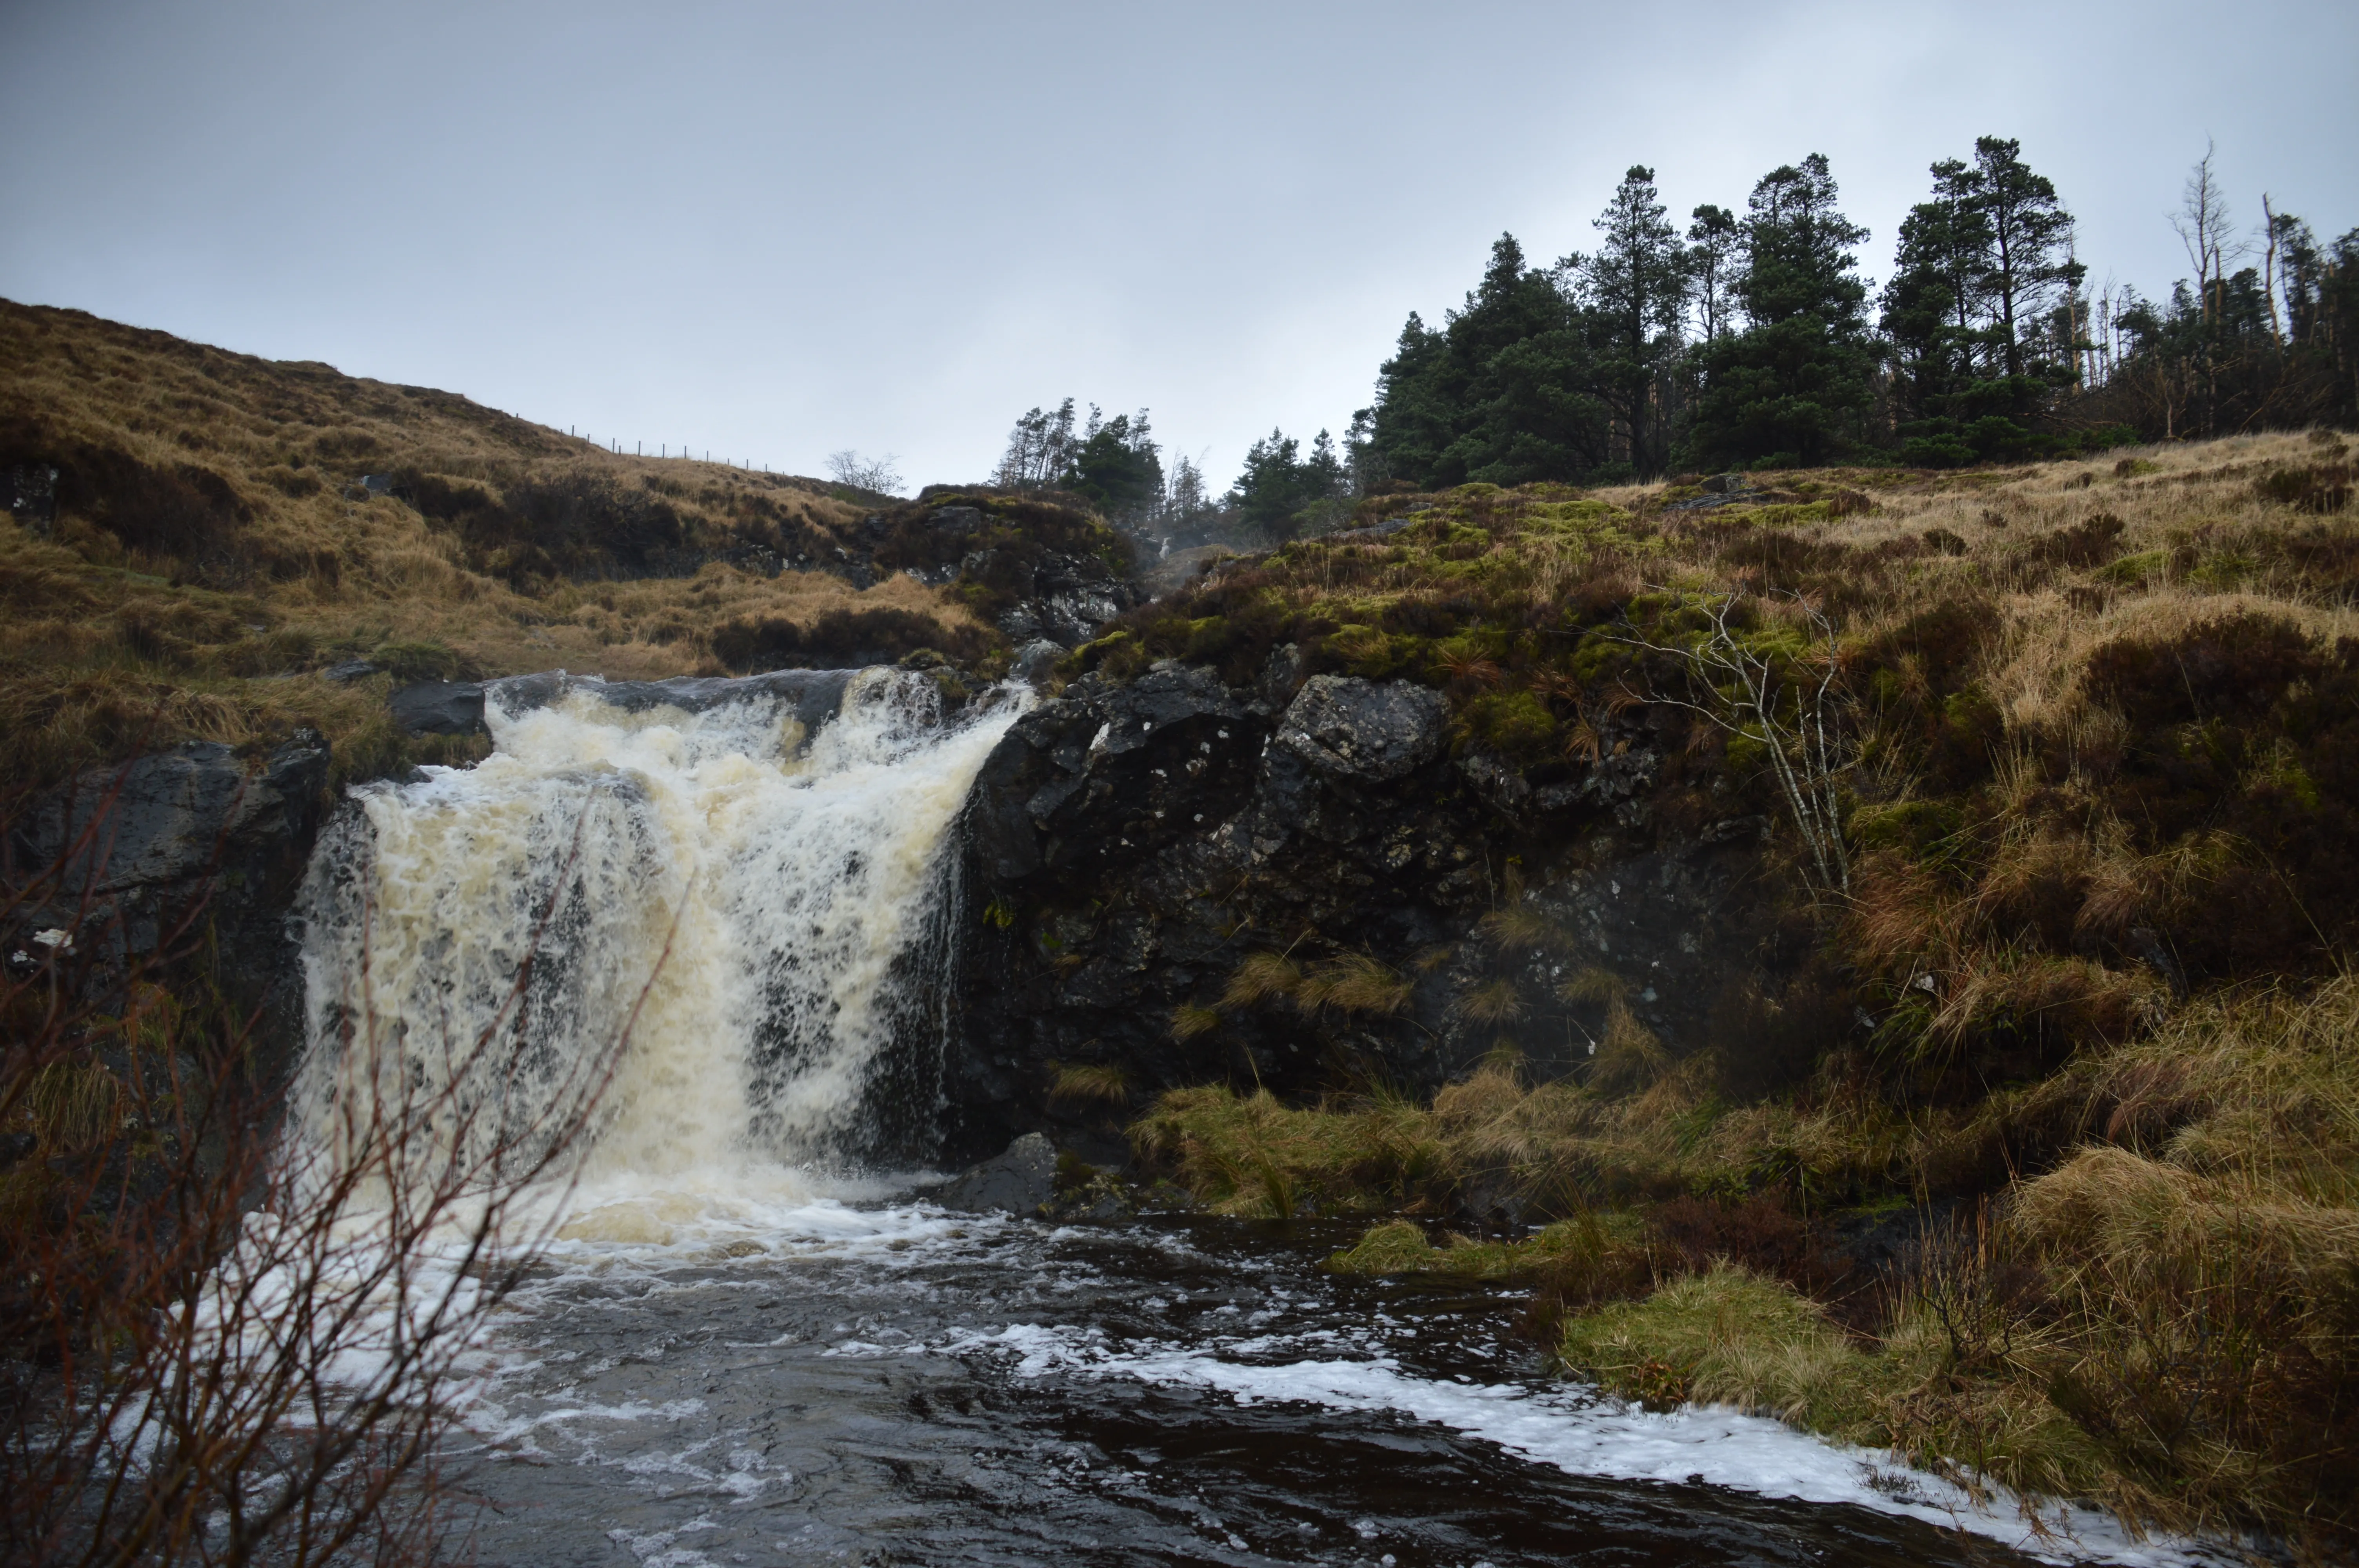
column 736, row 927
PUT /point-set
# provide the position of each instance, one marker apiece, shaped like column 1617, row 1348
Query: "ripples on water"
column 891, row 1384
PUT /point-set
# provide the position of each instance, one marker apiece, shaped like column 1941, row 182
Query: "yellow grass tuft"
column 1090, row 1084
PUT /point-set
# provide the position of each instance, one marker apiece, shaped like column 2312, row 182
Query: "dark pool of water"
column 920, row 1390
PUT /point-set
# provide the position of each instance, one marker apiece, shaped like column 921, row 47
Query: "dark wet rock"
column 1494, row 1200
column 1128, row 846
column 1502, row 785
column 351, row 670
column 29, row 494
column 1034, row 660
column 185, row 856
column 440, row 708
column 1103, row 778
column 176, row 817
column 1362, row 730
column 1065, row 599
column 1017, row 1181
column 1095, row 1196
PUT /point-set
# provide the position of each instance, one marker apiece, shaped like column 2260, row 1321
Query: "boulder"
column 174, row 818
column 1066, row 599
column 1018, row 1180
column 440, row 708
column 1352, row 728
column 1035, row 659
column 1112, row 775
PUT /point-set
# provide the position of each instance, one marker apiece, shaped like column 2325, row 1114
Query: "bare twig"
column 1791, row 705
column 223, row 1344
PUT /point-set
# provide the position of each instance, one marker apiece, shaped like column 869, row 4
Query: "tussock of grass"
column 1234, row 1152
column 1091, row 1084
column 1589, row 1250
column 1728, row 1337
column 2165, row 1321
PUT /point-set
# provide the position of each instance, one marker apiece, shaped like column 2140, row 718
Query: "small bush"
column 2092, row 542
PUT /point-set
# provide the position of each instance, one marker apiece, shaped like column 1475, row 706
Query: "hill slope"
column 195, row 546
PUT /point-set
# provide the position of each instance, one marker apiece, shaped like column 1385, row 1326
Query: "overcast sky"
column 775, row 231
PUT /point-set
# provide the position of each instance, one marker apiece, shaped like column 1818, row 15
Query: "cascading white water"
column 747, row 913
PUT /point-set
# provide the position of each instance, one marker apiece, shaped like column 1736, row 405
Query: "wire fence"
column 665, row 451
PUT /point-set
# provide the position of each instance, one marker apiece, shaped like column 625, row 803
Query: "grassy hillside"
column 2029, row 1144
column 212, row 549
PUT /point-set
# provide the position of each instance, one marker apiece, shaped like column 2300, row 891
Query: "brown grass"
column 2159, row 1312
column 213, row 550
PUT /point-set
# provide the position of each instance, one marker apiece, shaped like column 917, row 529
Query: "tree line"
column 1750, row 339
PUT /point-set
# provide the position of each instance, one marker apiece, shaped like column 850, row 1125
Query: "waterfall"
column 728, row 908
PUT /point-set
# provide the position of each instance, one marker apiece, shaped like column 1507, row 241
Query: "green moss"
column 1512, row 723
column 1789, row 514
column 2279, row 772
column 1914, row 826
column 2136, row 571
column 2224, row 569
column 1746, row 754
column 1400, row 1247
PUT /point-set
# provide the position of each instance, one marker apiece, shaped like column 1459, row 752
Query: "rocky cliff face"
column 1132, row 849
column 184, row 859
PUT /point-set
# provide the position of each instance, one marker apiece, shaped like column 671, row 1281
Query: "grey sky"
column 775, row 231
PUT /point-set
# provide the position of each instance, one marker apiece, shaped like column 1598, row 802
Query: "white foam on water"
column 1583, row 1432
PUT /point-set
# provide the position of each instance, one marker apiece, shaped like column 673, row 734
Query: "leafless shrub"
column 879, row 476
column 1782, row 693
column 223, row 1344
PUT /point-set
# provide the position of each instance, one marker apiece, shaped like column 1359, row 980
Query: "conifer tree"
column 1504, row 392
column 1793, row 387
column 1982, row 269
column 1714, row 238
column 1635, row 294
column 2028, row 262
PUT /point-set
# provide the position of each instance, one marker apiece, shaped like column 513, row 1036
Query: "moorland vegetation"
column 213, row 546
column 2035, row 1161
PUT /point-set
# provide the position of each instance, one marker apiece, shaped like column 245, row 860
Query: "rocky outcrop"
column 1067, row 600
column 1130, row 847
column 1357, row 729
column 189, row 856
column 1032, row 586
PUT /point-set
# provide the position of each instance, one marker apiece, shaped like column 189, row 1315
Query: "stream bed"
column 884, row 1382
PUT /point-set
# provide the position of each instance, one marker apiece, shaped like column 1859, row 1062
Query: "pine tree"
column 1503, row 393
column 1971, row 313
column 2028, row 263
column 1794, row 386
column 1714, row 237
column 1634, row 293
column 1117, row 466
column 1933, row 309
